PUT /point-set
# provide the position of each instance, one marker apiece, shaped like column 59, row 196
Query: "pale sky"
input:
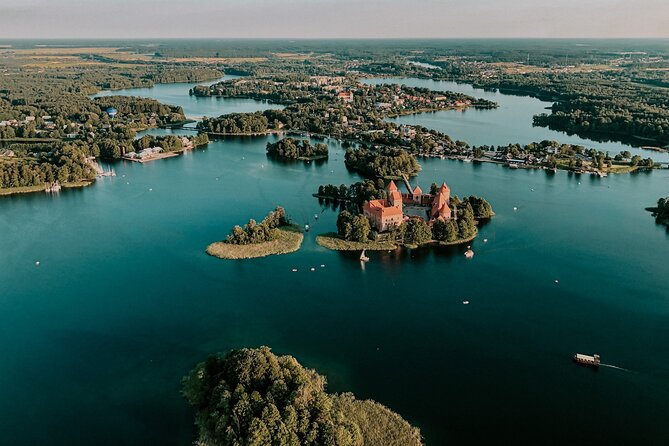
column 333, row 18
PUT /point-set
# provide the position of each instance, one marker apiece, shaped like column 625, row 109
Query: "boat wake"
column 611, row 366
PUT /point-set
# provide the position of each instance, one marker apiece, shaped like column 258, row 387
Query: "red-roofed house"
column 346, row 96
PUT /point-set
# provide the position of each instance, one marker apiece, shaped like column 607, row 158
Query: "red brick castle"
column 384, row 214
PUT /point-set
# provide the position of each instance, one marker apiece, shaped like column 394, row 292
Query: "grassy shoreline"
column 34, row 189
column 331, row 240
column 287, row 239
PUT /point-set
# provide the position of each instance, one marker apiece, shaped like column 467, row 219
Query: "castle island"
column 375, row 217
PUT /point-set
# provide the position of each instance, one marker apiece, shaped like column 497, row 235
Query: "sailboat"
column 363, row 257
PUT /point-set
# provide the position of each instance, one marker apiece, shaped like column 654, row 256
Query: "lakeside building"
column 346, row 96
column 398, row 207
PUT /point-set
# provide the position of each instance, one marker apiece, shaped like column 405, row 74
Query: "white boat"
column 363, row 257
column 315, row 216
column 592, row 361
column 469, row 253
column 306, row 228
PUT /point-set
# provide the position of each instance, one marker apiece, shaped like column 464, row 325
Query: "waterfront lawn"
column 41, row 187
column 332, row 241
column 287, row 239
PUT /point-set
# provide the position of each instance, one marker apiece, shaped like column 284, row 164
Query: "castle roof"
column 391, row 186
column 444, row 188
column 418, row 191
column 379, row 207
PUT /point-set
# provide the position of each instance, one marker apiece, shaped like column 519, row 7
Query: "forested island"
column 388, row 163
column 290, row 148
column 274, row 235
column 254, row 397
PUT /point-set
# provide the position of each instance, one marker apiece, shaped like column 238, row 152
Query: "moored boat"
column 363, row 257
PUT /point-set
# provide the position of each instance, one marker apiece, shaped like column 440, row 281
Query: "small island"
column 292, row 149
column 661, row 211
column 390, row 219
column 272, row 236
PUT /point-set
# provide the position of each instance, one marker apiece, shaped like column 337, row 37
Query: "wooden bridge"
column 407, row 184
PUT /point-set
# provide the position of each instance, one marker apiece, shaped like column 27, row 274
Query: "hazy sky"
column 333, row 18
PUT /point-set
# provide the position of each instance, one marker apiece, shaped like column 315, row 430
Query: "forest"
column 254, row 232
column 383, row 163
column 254, row 397
column 290, row 148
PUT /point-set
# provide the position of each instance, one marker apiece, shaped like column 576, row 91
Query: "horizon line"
column 343, row 38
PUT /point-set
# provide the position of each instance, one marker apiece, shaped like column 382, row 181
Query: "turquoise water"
column 194, row 107
column 124, row 302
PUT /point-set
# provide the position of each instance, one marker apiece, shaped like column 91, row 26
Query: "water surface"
column 125, row 301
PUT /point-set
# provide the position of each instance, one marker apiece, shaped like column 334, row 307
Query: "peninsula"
column 284, row 404
column 661, row 211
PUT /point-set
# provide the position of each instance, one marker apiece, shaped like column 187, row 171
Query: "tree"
column 253, row 397
column 344, row 226
column 417, row 232
column 359, row 228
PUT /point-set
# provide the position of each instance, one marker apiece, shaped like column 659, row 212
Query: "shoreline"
column 6, row 192
column 332, row 241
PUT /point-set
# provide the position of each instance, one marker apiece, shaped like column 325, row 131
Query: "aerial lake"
column 95, row 339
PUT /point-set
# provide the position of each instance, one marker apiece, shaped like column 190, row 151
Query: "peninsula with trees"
column 254, row 397
column 274, row 235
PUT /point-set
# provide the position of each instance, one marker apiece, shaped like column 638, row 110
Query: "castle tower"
column 394, row 195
